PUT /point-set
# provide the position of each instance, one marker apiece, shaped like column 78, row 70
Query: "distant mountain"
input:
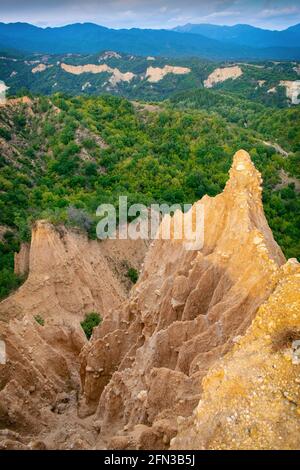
column 243, row 34
column 90, row 38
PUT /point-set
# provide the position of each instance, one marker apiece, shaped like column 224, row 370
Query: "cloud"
column 152, row 13
column 275, row 12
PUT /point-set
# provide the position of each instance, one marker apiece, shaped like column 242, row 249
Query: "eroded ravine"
column 141, row 373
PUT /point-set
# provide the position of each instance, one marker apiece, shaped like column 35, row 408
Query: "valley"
column 144, row 344
column 188, row 311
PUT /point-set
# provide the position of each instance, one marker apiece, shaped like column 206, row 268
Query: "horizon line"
column 142, row 28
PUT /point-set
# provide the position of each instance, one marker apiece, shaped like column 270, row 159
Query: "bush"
column 9, row 281
column 89, row 144
column 5, row 134
column 79, row 218
column 133, row 275
column 88, row 324
column 19, row 121
column 284, row 338
column 39, row 319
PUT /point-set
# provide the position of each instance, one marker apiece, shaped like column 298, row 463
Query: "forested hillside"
column 149, row 78
column 279, row 125
column 63, row 156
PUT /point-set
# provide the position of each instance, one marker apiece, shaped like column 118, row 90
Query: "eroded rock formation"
column 40, row 377
column 70, row 275
column 144, row 366
column 251, row 398
column 169, row 366
column 222, row 74
column 155, row 74
column 292, row 90
column 116, row 75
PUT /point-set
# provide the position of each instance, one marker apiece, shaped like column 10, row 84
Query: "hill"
column 89, row 38
column 151, row 77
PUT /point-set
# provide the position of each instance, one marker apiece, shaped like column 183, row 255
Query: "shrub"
column 39, row 319
column 19, row 121
column 9, row 281
column 133, row 275
column 284, row 338
column 88, row 324
column 89, row 144
column 5, row 134
column 79, row 218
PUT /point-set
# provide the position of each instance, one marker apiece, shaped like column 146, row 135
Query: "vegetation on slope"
column 61, row 157
column 254, row 84
column 279, row 125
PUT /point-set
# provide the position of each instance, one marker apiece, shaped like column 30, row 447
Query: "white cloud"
column 152, row 13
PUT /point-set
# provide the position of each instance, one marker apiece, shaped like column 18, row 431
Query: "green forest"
column 62, row 156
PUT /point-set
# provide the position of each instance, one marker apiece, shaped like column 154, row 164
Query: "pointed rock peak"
column 243, row 174
column 241, row 160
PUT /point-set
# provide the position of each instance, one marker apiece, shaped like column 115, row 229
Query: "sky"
column 270, row 14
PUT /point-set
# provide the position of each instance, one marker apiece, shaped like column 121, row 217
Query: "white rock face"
column 3, row 89
column 40, row 68
column 110, row 55
column 116, row 75
column 2, row 352
column 292, row 90
column 222, row 74
column 297, row 69
column 85, row 86
column 155, row 74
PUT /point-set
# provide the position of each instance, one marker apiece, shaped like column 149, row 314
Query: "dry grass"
column 284, row 338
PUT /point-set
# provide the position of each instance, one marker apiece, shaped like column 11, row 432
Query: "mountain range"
column 245, row 35
column 207, row 41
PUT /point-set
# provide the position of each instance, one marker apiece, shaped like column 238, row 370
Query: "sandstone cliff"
column 251, row 398
column 40, row 377
column 144, row 366
column 169, row 366
column 222, row 74
column 70, row 275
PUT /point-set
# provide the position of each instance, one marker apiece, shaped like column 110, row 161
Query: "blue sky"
column 154, row 13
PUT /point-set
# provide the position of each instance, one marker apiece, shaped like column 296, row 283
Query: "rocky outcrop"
column 38, row 381
column 251, row 398
column 41, row 336
column 144, row 366
column 116, row 75
column 204, row 354
column 222, row 74
column 18, row 101
column 109, row 55
column 3, row 90
column 40, row 68
column 156, row 74
column 70, row 275
column 292, row 90
column 21, row 260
